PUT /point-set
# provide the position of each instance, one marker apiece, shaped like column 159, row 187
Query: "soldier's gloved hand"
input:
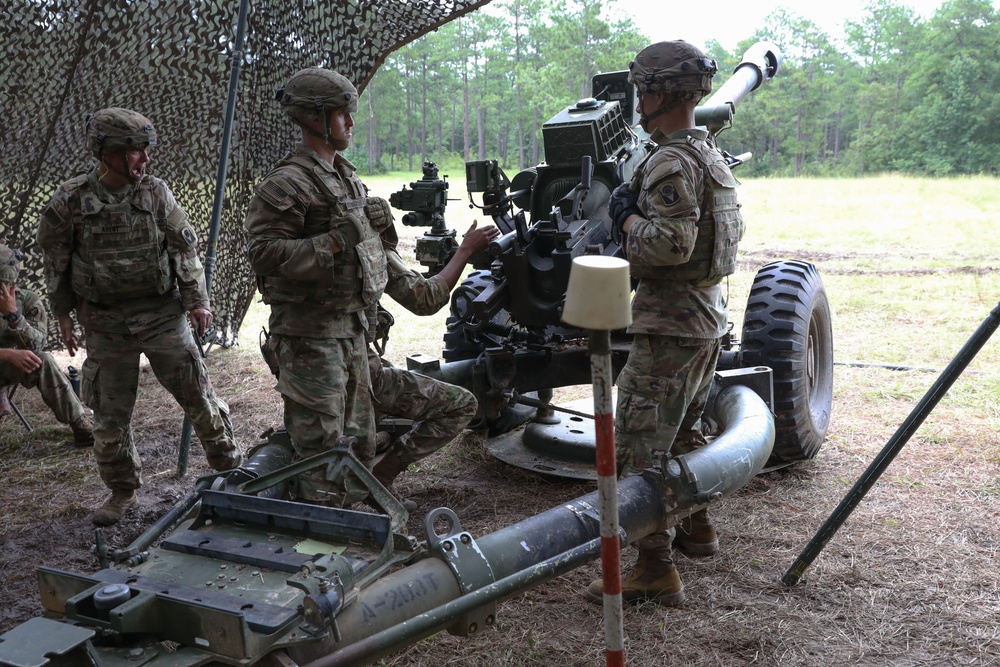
column 379, row 213
column 621, row 205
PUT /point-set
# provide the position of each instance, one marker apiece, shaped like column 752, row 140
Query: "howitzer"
column 505, row 337
column 590, row 149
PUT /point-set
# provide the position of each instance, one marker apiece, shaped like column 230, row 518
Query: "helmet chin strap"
column 336, row 144
column 124, row 172
column 672, row 104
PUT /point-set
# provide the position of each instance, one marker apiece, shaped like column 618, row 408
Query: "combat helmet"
column 312, row 93
column 672, row 67
column 114, row 128
column 10, row 264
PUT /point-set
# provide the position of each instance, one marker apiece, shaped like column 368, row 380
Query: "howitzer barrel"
column 759, row 64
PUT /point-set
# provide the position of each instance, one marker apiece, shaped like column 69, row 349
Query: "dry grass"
column 910, row 578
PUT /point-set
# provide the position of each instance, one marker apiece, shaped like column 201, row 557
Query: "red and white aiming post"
column 597, row 299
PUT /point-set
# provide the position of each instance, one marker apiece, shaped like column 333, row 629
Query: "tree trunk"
column 465, row 113
column 534, row 138
column 423, row 108
column 480, row 131
column 371, row 129
column 517, row 87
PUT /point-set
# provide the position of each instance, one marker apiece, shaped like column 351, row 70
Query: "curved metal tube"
column 733, row 458
column 429, row 588
column 387, row 641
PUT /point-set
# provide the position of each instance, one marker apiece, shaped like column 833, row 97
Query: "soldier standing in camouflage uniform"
column 439, row 410
column 121, row 252
column 321, row 266
column 682, row 221
column 23, row 360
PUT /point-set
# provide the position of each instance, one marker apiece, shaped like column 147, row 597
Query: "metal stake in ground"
column 220, row 183
column 597, row 299
column 893, row 447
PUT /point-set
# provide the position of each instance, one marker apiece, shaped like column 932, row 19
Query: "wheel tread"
column 783, row 299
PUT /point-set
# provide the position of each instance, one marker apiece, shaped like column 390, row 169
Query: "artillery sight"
column 425, row 202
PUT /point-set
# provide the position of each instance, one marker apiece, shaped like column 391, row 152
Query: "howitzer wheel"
column 787, row 326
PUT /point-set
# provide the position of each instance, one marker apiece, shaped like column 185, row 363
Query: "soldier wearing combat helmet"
column 322, row 314
column 23, row 361
column 321, row 266
column 681, row 224
column 120, row 252
column 112, row 132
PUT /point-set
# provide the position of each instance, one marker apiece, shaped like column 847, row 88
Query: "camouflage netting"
column 172, row 61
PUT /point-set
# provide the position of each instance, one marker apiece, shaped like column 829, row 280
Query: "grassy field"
column 911, row 268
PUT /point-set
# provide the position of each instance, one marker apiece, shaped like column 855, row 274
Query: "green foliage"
column 901, row 94
column 482, row 86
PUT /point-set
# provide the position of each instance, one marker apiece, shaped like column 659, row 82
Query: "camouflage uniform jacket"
column 30, row 331
column 313, row 292
column 419, row 295
column 61, row 234
column 666, row 236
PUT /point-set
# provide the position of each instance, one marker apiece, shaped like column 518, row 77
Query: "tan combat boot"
column 114, row 507
column 83, row 431
column 696, row 535
column 654, row 579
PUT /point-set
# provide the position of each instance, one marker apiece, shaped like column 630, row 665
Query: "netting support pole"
column 220, row 195
column 893, row 447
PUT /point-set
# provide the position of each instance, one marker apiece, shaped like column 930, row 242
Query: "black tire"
column 787, row 326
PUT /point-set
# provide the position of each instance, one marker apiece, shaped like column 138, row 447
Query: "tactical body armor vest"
column 120, row 253
column 720, row 227
column 360, row 269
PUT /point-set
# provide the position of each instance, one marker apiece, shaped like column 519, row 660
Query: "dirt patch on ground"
column 910, row 579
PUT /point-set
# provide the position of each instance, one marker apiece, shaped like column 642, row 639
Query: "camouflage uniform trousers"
column 110, row 384
column 439, row 410
column 662, row 393
column 326, row 389
column 52, row 384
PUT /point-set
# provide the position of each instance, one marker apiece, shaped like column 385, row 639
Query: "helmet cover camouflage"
column 677, row 66
column 114, row 128
column 313, row 92
column 10, row 264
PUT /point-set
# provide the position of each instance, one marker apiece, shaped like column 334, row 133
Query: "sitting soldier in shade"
column 22, row 361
